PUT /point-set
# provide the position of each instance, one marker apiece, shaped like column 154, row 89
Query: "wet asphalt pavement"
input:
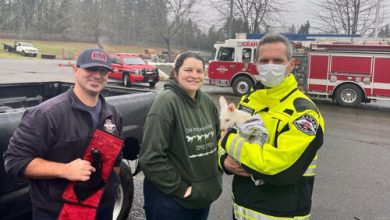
column 352, row 182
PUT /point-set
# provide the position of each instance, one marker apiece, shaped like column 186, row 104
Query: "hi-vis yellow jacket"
column 283, row 169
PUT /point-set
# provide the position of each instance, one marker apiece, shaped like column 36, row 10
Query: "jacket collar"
column 284, row 89
column 75, row 103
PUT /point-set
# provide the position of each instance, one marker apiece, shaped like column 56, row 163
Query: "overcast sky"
column 298, row 13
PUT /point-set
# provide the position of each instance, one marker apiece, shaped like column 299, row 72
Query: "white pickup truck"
column 26, row 49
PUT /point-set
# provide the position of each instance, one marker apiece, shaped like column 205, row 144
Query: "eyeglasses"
column 94, row 69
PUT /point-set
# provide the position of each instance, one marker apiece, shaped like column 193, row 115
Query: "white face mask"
column 271, row 75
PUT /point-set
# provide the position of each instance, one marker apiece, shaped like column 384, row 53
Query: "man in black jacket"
column 49, row 143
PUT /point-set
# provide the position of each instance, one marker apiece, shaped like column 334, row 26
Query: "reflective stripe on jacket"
column 242, row 213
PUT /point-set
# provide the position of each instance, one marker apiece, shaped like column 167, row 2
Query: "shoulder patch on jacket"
column 302, row 104
column 246, row 109
column 307, row 124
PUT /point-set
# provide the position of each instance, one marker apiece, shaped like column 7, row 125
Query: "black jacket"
column 57, row 130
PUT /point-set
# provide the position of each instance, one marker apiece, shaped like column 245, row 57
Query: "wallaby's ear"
column 222, row 103
column 231, row 107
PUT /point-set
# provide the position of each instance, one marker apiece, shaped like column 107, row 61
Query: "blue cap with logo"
column 94, row 57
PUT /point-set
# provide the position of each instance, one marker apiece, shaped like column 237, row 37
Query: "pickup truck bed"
column 9, row 48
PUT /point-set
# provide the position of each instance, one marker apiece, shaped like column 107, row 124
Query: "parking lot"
column 352, row 180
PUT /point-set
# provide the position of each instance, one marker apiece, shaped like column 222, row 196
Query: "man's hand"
column 78, row 170
column 231, row 165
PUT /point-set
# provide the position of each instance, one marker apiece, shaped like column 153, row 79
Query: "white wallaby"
column 231, row 116
column 248, row 126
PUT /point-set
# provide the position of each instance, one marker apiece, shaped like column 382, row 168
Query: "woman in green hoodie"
column 179, row 150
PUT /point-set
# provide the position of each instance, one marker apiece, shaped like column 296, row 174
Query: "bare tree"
column 92, row 23
column 97, row 22
column 64, row 16
column 346, row 16
column 169, row 16
column 257, row 15
column 25, row 14
column 4, row 16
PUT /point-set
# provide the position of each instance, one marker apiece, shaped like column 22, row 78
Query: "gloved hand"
column 254, row 130
column 84, row 190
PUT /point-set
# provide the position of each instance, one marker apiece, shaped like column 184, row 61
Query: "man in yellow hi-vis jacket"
column 275, row 180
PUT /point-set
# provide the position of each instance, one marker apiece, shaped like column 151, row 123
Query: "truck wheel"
column 126, row 80
column 152, row 84
column 125, row 194
column 242, row 85
column 349, row 95
column 23, row 53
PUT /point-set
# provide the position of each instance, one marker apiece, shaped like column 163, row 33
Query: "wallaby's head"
column 230, row 115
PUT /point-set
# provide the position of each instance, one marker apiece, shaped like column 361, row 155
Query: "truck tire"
column 126, row 80
column 152, row 84
column 349, row 95
column 242, row 85
column 23, row 53
column 125, row 194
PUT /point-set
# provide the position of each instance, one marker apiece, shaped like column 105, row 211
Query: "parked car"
column 130, row 68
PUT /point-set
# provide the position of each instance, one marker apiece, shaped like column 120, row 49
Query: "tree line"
column 171, row 23
column 148, row 22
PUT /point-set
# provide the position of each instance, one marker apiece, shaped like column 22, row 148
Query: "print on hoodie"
column 200, row 141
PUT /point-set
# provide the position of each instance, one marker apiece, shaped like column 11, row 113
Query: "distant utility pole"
column 230, row 20
column 377, row 18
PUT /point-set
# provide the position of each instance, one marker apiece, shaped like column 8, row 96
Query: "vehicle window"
column 133, row 60
column 26, row 45
column 246, row 55
column 213, row 52
column 115, row 60
column 226, row 54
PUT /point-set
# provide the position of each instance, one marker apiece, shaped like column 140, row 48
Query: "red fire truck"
column 349, row 73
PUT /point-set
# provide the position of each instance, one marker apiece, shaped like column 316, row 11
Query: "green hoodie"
column 179, row 146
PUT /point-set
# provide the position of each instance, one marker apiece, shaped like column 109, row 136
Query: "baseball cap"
column 94, row 57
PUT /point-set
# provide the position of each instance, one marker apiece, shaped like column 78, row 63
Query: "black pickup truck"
column 15, row 98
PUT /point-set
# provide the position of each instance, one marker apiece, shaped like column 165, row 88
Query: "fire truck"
column 349, row 73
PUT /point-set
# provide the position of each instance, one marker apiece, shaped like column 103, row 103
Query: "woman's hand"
column 188, row 192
